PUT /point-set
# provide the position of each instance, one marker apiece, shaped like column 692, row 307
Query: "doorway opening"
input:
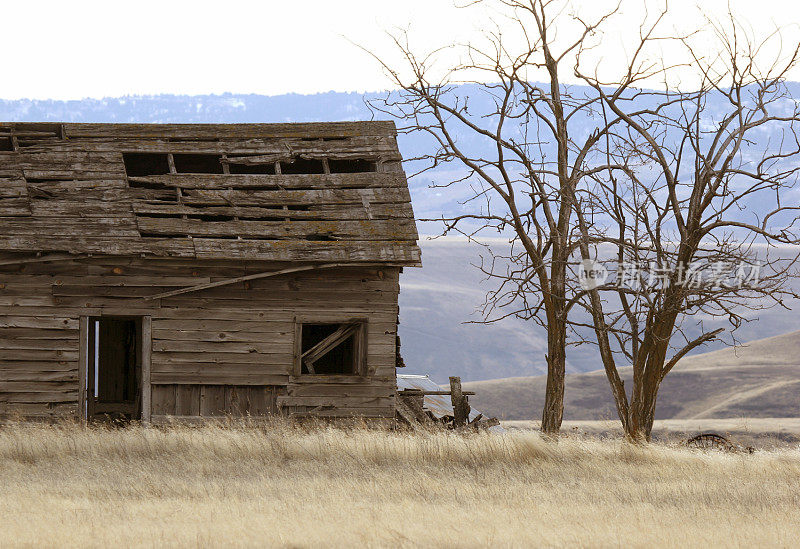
column 114, row 369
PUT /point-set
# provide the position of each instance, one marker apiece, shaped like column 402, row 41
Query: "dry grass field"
column 765, row 433
column 283, row 486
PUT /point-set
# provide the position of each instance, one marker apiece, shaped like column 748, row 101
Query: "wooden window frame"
column 360, row 351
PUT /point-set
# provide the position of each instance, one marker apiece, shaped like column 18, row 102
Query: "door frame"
column 146, row 351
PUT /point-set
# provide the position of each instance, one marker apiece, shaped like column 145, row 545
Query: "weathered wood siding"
column 226, row 350
column 141, row 210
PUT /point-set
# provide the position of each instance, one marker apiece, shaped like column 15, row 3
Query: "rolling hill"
column 760, row 379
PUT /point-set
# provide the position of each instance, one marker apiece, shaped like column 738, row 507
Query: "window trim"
column 361, row 345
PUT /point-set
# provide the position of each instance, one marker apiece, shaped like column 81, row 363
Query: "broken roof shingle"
column 207, row 191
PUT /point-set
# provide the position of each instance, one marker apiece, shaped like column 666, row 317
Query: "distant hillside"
column 760, row 380
column 438, row 300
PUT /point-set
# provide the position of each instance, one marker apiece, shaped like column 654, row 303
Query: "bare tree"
column 679, row 184
column 707, row 195
column 525, row 148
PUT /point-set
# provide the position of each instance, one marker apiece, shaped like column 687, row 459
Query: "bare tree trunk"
column 556, row 358
column 553, row 411
column 648, row 373
column 642, row 409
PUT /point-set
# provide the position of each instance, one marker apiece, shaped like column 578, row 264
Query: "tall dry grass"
column 283, row 486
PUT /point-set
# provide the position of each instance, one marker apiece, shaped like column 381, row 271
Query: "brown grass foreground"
column 283, row 486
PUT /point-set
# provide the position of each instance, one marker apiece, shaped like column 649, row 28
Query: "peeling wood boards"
column 334, row 251
column 69, row 190
column 219, row 248
column 278, row 182
column 230, row 131
column 401, row 229
column 14, row 200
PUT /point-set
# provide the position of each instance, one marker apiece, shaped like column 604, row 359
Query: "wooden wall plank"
column 231, row 146
column 225, row 375
column 289, row 182
column 351, row 251
column 212, row 400
column 312, row 212
column 229, row 131
column 163, row 399
column 364, row 229
column 187, row 400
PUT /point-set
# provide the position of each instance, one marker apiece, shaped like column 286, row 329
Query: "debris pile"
column 421, row 402
column 714, row 441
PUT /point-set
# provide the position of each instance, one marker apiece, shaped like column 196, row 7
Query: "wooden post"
column 147, row 351
column 460, row 404
column 83, row 367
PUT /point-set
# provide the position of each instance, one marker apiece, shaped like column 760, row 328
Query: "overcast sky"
column 76, row 49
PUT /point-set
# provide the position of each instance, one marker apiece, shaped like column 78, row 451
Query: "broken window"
column 197, row 163
column 144, row 164
column 332, row 348
column 356, row 165
column 36, row 133
column 257, row 169
column 302, row 165
column 6, row 144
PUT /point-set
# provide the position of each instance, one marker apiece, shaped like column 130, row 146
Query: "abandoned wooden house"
column 156, row 271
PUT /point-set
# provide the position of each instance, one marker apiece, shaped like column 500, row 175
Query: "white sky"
column 76, row 49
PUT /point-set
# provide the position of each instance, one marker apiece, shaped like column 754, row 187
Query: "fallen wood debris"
column 422, row 403
column 714, row 441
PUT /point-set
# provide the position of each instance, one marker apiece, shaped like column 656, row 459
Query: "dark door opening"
column 114, row 369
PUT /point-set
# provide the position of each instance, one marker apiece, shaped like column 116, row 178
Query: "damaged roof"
column 285, row 192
